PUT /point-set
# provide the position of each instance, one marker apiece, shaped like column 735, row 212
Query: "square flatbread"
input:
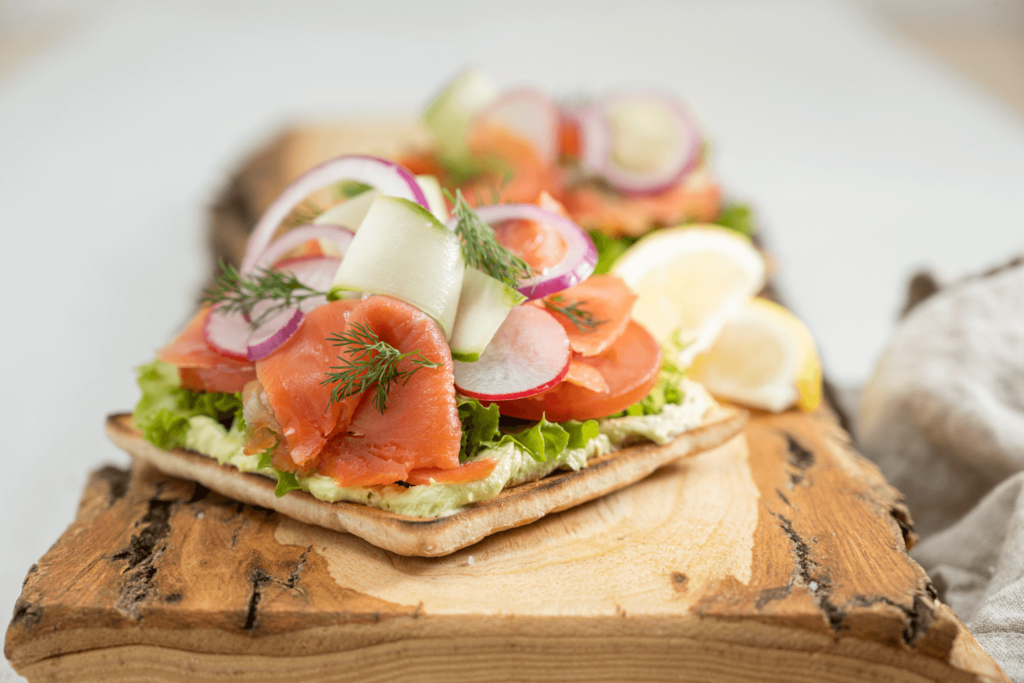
column 430, row 537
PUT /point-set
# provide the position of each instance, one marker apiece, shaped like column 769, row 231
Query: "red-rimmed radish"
column 642, row 142
column 272, row 332
column 316, row 272
column 232, row 334
column 528, row 355
column 580, row 254
column 340, row 237
column 227, row 333
column 385, row 176
column 529, row 114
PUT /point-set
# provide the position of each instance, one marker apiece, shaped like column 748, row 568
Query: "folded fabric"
column 943, row 416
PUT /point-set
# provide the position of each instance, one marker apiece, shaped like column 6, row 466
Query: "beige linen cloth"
column 943, row 416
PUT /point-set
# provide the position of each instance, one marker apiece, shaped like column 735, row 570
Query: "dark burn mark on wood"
column 771, row 594
column 782, row 496
column 293, row 578
column 679, row 581
column 144, row 549
column 156, row 526
column 116, row 480
column 26, row 614
column 31, row 570
column 901, row 514
column 259, row 578
column 799, row 458
column 917, row 619
column 173, row 598
column 807, row 576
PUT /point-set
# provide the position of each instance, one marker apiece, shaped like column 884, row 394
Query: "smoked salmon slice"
column 471, row 471
column 630, row 366
column 291, row 378
column 525, row 174
column 586, row 376
column 421, row 426
column 200, row 368
column 607, row 302
column 697, row 198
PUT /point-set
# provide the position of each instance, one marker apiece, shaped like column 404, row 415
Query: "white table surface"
column 863, row 158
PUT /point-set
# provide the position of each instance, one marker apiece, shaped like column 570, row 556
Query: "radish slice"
column 272, row 332
column 386, row 176
column 580, row 254
column 339, row 236
column 316, row 272
column 641, row 142
column 528, row 113
column 529, row 354
column 227, row 333
column 232, row 335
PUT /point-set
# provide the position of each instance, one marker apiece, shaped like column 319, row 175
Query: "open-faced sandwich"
column 420, row 372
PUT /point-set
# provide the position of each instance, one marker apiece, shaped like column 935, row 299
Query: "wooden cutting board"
column 780, row 556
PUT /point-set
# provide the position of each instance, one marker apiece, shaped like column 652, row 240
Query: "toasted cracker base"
column 434, row 537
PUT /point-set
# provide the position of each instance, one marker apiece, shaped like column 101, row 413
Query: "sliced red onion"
column 226, row 333
column 580, row 254
column 272, row 332
column 339, row 236
column 598, row 144
column 528, row 113
column 386, row 176
column 595, row 136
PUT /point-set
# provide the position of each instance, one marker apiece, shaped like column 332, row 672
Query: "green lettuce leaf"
column 609, row 249
column 738, row 217
column 544, row 440
column 164, row 410
column 479, row 427
column 286, row 481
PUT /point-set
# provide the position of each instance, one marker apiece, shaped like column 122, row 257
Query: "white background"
column 863, row 159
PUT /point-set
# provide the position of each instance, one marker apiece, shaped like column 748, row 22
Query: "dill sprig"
column 237, row 293
column 371, row 361
column 303, row 214
column 582, row 319
column 481, row 249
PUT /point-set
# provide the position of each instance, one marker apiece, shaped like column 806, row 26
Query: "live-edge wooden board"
column 779, row 556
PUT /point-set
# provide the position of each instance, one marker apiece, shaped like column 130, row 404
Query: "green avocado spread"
column 212, row 424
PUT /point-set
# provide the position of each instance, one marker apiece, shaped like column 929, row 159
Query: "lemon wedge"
column 764, row 358
column 690, row 280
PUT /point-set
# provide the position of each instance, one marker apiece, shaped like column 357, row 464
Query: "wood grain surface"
column 779, row 556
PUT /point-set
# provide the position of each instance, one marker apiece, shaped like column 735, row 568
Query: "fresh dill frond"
column 303, row 214
column 237, row 293
column 582, row 319
column 481, row 249
column 371, row 361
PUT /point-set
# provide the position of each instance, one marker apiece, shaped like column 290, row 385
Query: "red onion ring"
column 341, row 237
column 580, row 254
column 386, row 176
column 528, row 113
column 597, row 139
column 272, row 332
